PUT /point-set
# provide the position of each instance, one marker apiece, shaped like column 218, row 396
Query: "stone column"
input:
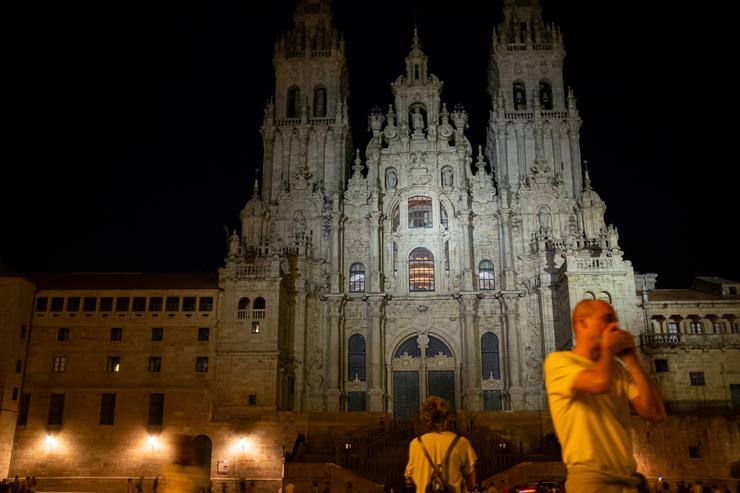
column 299, row 344
column 467, row 271
column 376, row 229
column 548, row 324
column 512, row 350
column 375, row 305
column 336, row 246
column 471, row 347
column 336, row 352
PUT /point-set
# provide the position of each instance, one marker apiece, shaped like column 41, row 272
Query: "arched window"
column 588, row 295
column 421, row 270
column 410, row 347
column 294, row 103
column 319, row 102
column 242, row 309
column 420, row 212
column 545, row 95
column 356, row 363
column 258, row 309
column 604, row 296
column 520, row 96
column 357, row 278
column 523, row 32
column 485, row 275
column 443, row 216
column 395, row 218
column 489, row 356
column 436, row 347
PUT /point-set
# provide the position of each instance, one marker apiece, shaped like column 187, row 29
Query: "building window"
column 492, row 400
column 155, row 364
column 319, row 102
column 252, row 399
column 23, row 406
column 205, row 304
column 489, row 356
column 116, row 334
column 188, row 304
column 114, row 364
column 106, row 304
column 56, row 409
column 156, row 409
column 697, row 378
column 661, row 365
column 139, row 304
column 356, row 402
column 173, row 304
column 122, row 304
column 694, row 452
column 293, row 103
column 545, row 96
column 57, row 304
column 520, row 96
column 259, row 308
column 242, row 309
column 155, row 304
column 203, row 333
column 672, row 327
column 719, row 326
column 201, row 364
column 255, row 327
column 421, row 270
column 157, row 333
column 62, row 334
column 73, row 304
column 420, row 212
column 357, row 278
column 356, row 362
column 107, row 409
column 42, row 303
column 485, row 275
column 60, row 364
column 695, row 327
column 89, row 304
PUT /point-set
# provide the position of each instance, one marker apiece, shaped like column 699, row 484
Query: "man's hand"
column 616, row 342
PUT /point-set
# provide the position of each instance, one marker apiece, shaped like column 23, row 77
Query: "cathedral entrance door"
column 418, row 374
column 442, row 384
column 406, row 393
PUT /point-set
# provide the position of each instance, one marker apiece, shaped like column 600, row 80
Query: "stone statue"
column 234, row 243
column 391, row 180
column 299, row 224
column 447, row 177
column 544, row 221
column 417, row 121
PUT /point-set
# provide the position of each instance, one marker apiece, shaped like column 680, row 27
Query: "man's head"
column 435, row 412
column 590, row 319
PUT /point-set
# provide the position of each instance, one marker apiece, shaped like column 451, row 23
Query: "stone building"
column 360, row 280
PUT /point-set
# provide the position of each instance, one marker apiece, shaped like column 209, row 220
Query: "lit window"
column 421, row 270
column 695, row 327
column 357, row 278
column 485, row 275
column 114, row 364
column 420, row 212
column 255, row 327
column 201, row 364
column 672, row 327
column 60, row 364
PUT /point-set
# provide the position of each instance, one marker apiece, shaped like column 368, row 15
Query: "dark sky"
column 135, row 126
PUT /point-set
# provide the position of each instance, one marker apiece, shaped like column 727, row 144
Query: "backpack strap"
column 435, row 472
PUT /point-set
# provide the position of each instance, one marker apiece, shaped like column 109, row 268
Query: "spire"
column 256, row 188
column 586, row 177
column 416, row 61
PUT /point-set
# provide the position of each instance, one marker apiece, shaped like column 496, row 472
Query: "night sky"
column 135, row 126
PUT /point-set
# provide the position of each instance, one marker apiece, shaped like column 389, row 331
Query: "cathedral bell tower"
column 306, row 130
column 534, row 125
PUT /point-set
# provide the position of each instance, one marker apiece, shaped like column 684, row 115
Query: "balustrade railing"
column 691, row 340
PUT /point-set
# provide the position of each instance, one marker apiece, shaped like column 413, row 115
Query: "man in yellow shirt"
column 589, row 389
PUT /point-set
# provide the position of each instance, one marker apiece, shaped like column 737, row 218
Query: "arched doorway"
column 421, row 366
column 202, row 452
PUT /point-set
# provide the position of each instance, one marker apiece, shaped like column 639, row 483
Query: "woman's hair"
column 435, row 412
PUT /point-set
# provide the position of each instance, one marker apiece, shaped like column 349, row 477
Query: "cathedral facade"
column 434, row 265
column 360, row 282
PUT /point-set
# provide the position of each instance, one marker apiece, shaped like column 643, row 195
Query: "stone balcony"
column 689, row 341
